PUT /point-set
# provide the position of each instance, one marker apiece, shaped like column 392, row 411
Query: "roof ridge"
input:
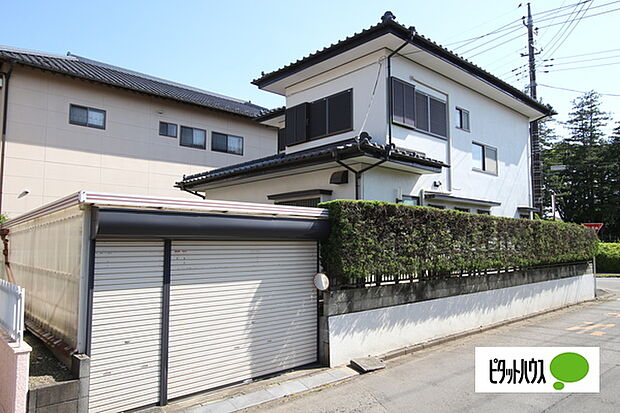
column 155, row 78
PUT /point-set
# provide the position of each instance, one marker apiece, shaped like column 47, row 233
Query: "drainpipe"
column 5, row 105
column 358, row 174
column 389, row 75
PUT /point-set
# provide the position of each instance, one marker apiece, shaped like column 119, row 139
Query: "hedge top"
column 372, row 238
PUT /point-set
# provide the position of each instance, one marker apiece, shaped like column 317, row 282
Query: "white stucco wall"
column 51, row 158
column 359, row 75
column 491, row 123
column 379, row 331
column 259, row 190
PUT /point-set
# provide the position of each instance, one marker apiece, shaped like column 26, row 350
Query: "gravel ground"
column 44, row 367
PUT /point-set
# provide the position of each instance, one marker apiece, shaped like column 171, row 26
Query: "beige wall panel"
column 128, row 156
column 25, row 151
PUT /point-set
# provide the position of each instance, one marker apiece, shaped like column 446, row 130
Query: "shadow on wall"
column 382, row 330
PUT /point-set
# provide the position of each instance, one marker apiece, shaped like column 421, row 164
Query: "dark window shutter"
column 421, row 111
column 398, row 103
column 339, row 112
column 439, row 124
column 318, row 118
column 295, row 120
column 281, row 139
column 409, row 105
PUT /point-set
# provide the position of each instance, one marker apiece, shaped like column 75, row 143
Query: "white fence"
column 12, row 310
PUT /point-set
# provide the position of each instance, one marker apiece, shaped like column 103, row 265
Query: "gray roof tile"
column 88, row 69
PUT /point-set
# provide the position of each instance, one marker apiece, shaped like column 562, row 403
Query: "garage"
column 174, row 297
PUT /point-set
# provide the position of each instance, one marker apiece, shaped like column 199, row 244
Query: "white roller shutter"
column 239, row 310
column 125, row 343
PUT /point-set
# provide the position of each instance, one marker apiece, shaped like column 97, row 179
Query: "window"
column 403, row 102
column 437, row 206
column 524, row 216
column 484, row 212
column 324, row 117
column 418, row 110
column 168, row 129
column 409, row 200
column 194, row 138
column 462, row 119
column 310, row 202
column 83, row 116
column 461, row 209
column 484, row 158
column 226, row 143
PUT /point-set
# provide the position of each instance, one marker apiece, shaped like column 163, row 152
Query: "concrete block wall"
column 64, row 397
column 377, row 320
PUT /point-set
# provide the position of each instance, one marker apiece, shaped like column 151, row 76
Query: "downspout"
column 358, row 174
column 5, row 105
column 389, row 78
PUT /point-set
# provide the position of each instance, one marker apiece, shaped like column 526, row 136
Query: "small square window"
column 193, row 138
column 83, row 116
column 221, row 142
column 484, row 158
column 462, row 119
column 461, row 209
column 168, row 129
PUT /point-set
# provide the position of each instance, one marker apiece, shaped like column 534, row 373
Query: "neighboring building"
column 413, row 122
column 70, row 123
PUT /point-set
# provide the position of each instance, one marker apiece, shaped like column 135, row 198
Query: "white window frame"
column 485, row 169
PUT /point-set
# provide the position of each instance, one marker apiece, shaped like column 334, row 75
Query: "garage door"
column 239, row 310
column 125, row 343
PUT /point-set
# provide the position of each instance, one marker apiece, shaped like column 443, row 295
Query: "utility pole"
column 537, row 196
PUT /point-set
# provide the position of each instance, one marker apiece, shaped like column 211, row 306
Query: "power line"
column 566, row 30
column 578, row 91
column 552, row 62
column 586, row 54
column 581, row 67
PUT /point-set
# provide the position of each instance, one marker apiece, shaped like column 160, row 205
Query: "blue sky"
column 222, row 46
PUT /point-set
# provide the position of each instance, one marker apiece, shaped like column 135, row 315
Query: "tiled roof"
column 92, row 70
column 328, row 153
column 387, row 25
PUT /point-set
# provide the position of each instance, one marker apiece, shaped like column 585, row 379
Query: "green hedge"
column 370, row 239
column 608, row 257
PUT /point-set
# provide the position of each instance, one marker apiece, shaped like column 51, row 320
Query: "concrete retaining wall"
column 14, row 365
column 351, row 330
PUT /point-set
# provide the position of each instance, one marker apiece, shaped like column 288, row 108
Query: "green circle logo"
column 568, row 367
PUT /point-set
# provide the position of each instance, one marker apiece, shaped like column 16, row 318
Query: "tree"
column 585, row 187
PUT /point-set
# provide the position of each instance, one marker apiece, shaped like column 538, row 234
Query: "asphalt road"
column 441, row 378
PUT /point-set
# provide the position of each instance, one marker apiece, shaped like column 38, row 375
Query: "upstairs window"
column 83, row 116
column 324, row 117
column 462, row 119
column 484, row 158
column 193, row 138
column 168, row 129
column 418, row 110
column 221, row 142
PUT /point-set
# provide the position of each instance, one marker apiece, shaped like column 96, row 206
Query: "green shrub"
column 608, row 257
column 371, row 238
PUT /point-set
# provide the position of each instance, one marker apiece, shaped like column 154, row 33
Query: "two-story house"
column 71, row 123
column 387, row 114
